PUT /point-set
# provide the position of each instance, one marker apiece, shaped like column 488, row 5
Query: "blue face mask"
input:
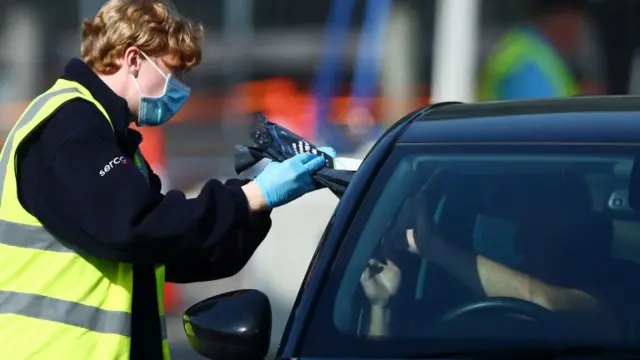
column 156, row 111
column 495, row 238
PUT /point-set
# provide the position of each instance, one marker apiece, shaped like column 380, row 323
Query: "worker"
column 529, row 61
column 87, row 239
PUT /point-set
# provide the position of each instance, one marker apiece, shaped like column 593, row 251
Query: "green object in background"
column 525, row 46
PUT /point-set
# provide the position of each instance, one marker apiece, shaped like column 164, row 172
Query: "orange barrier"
column 209, row 107
column 286, row 105
column 153, row 149
column 281, row 102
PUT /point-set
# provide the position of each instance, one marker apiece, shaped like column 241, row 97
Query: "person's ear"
column 132, row 60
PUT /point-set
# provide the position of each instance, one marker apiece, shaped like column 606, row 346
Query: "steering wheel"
column 543, row 320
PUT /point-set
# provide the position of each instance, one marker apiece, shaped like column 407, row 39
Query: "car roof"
column 604, row 119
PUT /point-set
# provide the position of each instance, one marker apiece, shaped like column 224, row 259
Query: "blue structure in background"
column 367, row 67
column 366, row 70
column 337, row 29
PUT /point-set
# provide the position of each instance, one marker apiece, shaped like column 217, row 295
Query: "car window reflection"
column 493, row 247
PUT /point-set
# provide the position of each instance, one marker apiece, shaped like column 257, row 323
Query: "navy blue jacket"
column 113, row 212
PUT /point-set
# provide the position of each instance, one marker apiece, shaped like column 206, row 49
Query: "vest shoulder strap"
column 38, row 111
column 84, row 93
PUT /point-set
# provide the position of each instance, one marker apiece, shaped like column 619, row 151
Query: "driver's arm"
column 379, row 319
column 489, row 278
column 492, row 279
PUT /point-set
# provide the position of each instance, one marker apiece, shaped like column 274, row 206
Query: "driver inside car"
column 548, row 275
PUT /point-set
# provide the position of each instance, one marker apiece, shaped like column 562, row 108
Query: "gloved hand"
column 284, row 182
column 328, row 150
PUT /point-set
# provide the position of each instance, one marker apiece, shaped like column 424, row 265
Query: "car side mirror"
column 230, row 326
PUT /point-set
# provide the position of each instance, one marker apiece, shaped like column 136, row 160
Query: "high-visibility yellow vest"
column 55, row 303
column 516, row 48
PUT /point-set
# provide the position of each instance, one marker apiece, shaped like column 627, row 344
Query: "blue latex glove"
column 328, row 150
column 284, row 182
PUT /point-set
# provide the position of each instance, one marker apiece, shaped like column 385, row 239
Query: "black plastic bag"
column 272, row 141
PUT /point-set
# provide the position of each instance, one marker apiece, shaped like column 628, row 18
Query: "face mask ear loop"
column 135, row 82
column 166, row 77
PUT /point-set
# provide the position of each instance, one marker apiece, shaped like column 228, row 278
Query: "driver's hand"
column 380, row 281
column 423, row 239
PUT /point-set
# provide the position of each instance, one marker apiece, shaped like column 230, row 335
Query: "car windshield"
column 487, row 247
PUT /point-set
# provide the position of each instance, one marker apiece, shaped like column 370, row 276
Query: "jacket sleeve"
column 98, row 203
column 229, row 258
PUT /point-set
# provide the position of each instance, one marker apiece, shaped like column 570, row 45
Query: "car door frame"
column 337, row 228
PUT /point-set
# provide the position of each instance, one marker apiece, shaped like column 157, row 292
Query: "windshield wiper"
column 536, row 353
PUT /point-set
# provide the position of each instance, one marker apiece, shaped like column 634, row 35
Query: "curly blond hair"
column 154, row 26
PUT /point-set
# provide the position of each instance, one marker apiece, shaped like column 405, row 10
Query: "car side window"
column 482, row 228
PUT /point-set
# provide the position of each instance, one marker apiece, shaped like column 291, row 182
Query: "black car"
column 508, row 228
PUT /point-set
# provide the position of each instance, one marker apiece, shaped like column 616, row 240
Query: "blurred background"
column 338, row 72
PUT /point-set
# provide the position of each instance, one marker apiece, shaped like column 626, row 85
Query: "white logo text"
column 117, row 160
